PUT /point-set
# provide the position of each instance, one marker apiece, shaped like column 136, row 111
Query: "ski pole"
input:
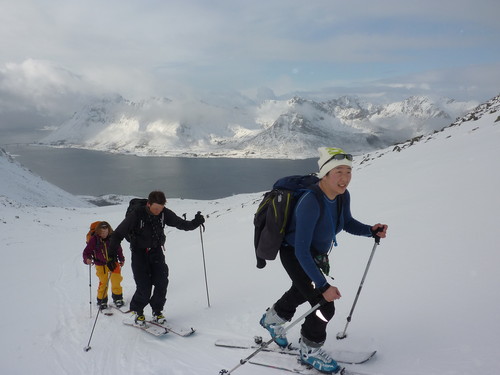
column 90, row 289
column 203, row 254
column 266, row 344
column 204, row 265
column 343, row 335
column 88, row 347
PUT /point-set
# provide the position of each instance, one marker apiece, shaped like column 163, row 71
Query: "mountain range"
column 240, row 127
column 428, row 305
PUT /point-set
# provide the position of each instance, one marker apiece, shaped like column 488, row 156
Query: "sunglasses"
column 338, row 157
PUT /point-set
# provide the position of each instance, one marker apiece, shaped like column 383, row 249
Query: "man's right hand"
column 331, row 294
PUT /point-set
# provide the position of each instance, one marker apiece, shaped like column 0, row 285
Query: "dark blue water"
column 84, row 172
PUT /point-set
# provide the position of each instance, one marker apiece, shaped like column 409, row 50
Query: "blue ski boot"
column 274, row 324
column 311, row 354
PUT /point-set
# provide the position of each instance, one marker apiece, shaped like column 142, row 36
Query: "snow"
column 232, row 126
column 429, row 304
column 20, row 185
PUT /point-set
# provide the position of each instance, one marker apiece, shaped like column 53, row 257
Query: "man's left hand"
column 379, row 230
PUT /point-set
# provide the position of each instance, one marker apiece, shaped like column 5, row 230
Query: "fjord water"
column 95, row 173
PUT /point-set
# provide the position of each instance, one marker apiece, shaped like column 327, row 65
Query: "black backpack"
column 133, row 205
column 275, row 210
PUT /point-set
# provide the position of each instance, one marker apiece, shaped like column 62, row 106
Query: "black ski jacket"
column 145, row 230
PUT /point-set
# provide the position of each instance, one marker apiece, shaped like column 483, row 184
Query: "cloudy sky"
column 54, row 54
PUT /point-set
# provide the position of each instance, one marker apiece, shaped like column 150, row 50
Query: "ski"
column 152, row 329
column 179, row 331
column 106, row 312
column 341, row 356
column 123, row 309
column 158, row 329
column 293, row 365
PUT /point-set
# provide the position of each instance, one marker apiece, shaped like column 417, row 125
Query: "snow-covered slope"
column 20, row 185
column 235, row 127
column 429, row 303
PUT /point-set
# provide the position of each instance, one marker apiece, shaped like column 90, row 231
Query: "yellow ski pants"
column 116, row 278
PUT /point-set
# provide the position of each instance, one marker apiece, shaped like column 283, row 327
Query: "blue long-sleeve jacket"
column 309, row 231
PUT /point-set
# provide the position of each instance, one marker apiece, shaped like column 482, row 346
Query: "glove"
column 323, row 263
column 198, row 219
column 111, row 264
column 261, row 263
column 112, row 259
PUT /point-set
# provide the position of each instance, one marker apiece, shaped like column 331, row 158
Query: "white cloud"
column 41, row 84
column 53, row 54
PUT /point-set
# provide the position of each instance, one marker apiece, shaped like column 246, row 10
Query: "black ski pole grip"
column 374, row 234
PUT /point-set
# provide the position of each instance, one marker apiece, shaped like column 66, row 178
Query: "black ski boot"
column 102, row 303
column 118, row 300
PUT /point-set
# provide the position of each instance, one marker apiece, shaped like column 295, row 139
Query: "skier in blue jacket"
column 304, row 255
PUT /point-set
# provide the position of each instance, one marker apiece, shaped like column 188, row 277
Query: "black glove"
column 198, row 219
column 323, row 263
column 112, row 259
column 261, row 263
column 111, row 264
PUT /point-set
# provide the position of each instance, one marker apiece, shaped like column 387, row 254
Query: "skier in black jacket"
column 145, row 226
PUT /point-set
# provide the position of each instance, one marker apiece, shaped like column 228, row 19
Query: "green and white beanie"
column 327, row 161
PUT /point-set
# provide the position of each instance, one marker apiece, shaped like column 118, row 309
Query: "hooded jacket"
column 146, row 229
column 97, row 249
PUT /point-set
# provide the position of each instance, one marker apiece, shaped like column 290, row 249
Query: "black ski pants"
column 301, row 291
column 150, row 271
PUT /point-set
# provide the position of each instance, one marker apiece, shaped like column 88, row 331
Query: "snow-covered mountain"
column 428, row 306
column 20, row 185
column 238, row 127
column 490, row 108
